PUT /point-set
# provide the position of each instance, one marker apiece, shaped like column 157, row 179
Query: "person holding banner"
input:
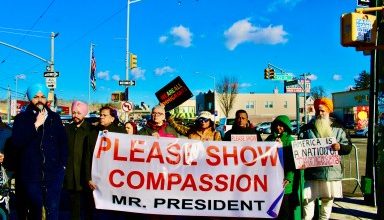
column 203, row 129
column 107, row 123
column 241, row 127
column 324, row 183
column 157, row 126
column 281, row 129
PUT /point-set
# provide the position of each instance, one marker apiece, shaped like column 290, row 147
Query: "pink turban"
column 80, row 107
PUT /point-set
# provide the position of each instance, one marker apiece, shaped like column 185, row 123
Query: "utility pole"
column 51, row 95
column 9, row 105
column 50, row 67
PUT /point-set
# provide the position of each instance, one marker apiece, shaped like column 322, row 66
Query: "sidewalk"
column 352, row 208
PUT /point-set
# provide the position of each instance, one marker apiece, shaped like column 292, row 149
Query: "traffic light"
column 271, row 73
column 132, row 61
column 266, row 73
column 115, row 96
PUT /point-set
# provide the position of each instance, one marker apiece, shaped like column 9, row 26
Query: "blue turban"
column 36, row 88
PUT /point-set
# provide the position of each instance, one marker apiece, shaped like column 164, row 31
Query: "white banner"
column 175, row 176
column 315, row 152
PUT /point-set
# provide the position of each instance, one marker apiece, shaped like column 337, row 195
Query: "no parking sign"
column 127, row 106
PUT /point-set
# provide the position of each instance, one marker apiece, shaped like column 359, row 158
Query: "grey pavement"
column 353, row 208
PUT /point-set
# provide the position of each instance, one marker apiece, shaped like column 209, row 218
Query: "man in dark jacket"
column 108, row 123
column 241, row 126
column 41, row 142
column 78, row 141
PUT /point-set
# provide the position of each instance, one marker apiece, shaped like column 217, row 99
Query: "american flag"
column 93, row 70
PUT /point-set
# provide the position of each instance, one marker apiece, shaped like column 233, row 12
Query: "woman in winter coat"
column 281, row 129
column 203, row 129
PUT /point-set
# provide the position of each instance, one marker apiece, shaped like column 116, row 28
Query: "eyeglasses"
column 200, row 120
column 157, row 113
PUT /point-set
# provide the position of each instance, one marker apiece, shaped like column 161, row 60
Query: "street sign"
column 127, row 106
column 282, row 77
column 291, row 83
column 51, row 74
column 363, row 3
column 50, row 82
column 127, row 82
column 299, row 87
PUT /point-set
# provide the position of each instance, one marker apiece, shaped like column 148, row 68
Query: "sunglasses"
column 203, row 120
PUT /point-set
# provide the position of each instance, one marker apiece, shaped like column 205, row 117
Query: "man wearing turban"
column 40, row 140
column 324, row 183
column 78, row 140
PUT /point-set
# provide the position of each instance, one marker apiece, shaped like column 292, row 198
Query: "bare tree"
column 227, row 90
column 318, row 92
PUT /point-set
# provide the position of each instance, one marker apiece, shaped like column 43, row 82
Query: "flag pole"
column 89, row 77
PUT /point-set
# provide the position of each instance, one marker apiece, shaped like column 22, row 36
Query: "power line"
column 25, row 30
column 29, row 35
column 30, row 29
column 93, row 28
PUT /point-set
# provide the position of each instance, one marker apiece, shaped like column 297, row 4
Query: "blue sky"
column 199, row 40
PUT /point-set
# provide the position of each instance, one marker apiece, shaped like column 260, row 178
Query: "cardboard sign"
column 176, row 176
column 315, row 152
column 173, row 94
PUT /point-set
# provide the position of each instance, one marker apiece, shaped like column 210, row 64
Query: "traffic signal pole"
column 374, row 169
column 375, row 152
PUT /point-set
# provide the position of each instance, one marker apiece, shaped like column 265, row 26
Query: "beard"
column 323, row 126
column 77, row 121
column 39, row 106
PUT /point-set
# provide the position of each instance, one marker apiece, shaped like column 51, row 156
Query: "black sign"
column 127, row 82
column 363, row 3
column 51, row 74
column 173, row 94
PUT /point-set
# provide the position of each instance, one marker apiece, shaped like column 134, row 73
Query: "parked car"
column 92, row 118
column 225, row 124
column 362, row 132
column 264, row 127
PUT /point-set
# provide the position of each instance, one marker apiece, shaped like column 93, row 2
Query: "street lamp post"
column 127, row 46
column 17, row 77
column 214, row 94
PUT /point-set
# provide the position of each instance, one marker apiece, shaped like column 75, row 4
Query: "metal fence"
column 350, row 164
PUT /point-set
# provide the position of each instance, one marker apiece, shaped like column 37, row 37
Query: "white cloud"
column 245, row 85
column 243, row 31
column 337, row 77
column 182, row 36
column 163, row 39
column 312, row 77
column 116, row 77
column 138, row 73
column 274, row 5
column 163, row 70
column 104, row 75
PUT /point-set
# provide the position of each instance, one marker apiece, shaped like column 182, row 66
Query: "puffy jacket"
column 42, row 153
column 194, row 133
column 286, row 139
